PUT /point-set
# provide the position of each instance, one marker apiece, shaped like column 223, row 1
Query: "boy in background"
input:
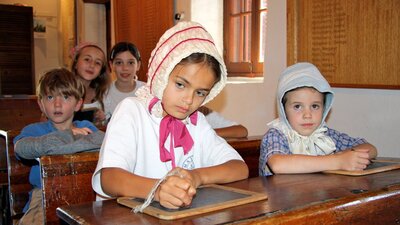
column 60, row 95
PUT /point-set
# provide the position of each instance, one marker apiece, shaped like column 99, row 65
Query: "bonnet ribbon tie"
column 315, row 144
column 180, row 136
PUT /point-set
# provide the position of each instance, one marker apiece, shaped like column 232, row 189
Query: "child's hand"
column 83, row 131
column 99, row 116
column 354, row 159
column 177, row 190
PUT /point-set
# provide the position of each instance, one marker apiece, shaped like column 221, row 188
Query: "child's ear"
column 43, row 117
column 78, row 105
column 39, row 102
column 139, row 64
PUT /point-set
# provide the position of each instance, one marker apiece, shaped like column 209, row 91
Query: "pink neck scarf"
column 180, row 136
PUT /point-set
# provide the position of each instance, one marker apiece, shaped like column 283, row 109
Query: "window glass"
column 244, row 34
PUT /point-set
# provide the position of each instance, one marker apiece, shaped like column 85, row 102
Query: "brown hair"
column 284, row 98
column 101, row 82
column 123, row 47
column 209, row 60
column 60, row 82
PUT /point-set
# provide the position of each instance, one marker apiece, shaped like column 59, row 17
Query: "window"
column 244, row 37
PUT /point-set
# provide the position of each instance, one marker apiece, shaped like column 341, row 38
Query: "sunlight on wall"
column 91, row 23
column 67, row 31
column 213, row 22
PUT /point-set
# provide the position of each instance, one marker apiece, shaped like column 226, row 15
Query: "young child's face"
column 125, row 66
column 304, row 109
column 188, row 86
column 60, row 109
column 89, row 63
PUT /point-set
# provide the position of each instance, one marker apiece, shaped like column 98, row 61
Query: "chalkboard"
column 376, row 166
column 354, row 43
column 208, row 198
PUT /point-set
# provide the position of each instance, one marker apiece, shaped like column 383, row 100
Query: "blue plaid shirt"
column 275, row 142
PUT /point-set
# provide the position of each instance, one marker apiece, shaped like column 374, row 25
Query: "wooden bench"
column 16, row 112
column 18, row 178
column 4, row 208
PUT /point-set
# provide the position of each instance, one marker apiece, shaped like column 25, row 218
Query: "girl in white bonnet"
column 299, row 140
column 157, row 145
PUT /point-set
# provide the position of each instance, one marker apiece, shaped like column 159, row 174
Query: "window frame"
column 243, row 69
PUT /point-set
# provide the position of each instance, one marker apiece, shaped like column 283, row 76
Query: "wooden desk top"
column 292, row 199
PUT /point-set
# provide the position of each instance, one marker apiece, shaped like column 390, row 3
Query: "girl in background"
column 125, row 62
column 89, row 64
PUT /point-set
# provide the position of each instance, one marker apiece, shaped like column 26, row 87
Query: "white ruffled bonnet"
column 180, row 41
column 303, row 74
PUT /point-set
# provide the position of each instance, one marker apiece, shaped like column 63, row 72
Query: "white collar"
column 315, row 144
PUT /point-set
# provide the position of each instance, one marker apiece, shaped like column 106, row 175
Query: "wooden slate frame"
column 387, row 165
column 165, row 214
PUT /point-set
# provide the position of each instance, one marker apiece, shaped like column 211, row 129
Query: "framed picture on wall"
column 39, row 26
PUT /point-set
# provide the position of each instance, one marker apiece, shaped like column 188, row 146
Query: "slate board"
column 377, row 166
column 208, row 198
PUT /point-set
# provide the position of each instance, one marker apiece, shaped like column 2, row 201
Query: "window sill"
column 245, row 80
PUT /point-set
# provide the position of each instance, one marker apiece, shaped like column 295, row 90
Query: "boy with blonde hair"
column 60, row 95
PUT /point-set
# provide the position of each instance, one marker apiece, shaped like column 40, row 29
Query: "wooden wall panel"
column 142, row 22
column 354, row 43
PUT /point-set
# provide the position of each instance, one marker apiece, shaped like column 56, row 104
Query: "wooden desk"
column 67, row 178
column 293, row 199
column 249, row 149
